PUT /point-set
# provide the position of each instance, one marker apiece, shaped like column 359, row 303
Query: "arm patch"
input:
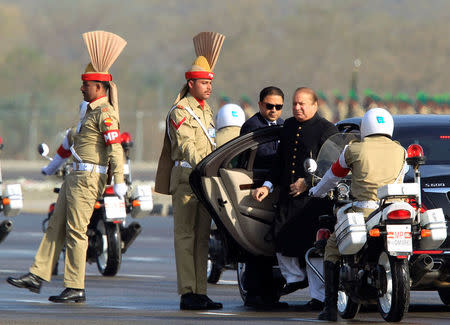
column 108, row 121
column 338, row 170
column 64, row 153
column 111, row 136
column 177, row 125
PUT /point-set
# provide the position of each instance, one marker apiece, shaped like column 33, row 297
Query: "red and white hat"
column 200, row 70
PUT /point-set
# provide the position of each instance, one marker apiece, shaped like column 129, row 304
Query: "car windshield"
column 435, row 142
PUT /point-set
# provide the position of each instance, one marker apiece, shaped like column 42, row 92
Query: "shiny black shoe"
column 312, row 305
column 293, row 286
column 211, row 304
column 191, row 301
column 28, row 281
column 69, row 295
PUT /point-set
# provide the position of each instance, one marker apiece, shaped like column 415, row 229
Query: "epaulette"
column 105, row 109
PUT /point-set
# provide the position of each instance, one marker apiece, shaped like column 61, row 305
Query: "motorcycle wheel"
column 241, row 280
column 109, row 254
column 213, row 272
column 393, row 301
column 347, row 308
column 444, row 294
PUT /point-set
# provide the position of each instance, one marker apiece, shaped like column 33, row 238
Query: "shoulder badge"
column 177, row 125
column 180, row 107
column 108, row 121
column 105, row 109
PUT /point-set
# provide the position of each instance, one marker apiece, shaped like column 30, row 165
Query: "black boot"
column 28, row 281
column 331, row 271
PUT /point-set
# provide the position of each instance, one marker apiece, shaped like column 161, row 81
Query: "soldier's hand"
column 54, row 165
column 298, row 187
column 260, row 193
column 120, row 190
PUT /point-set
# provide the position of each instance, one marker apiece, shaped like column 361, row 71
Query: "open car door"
column 223, row 182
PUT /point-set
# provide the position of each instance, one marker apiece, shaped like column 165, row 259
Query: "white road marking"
column 17, row 252
column 141, row 259
column 217, row 314
column 46, row 302
column 233, row 282
column 149, row 276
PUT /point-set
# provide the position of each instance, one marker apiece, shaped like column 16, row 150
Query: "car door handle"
column 221, row 202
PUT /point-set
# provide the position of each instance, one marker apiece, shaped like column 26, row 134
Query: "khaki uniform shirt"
column 189, row 142
column 226, row 134
column 98, row 138
column 375, row 161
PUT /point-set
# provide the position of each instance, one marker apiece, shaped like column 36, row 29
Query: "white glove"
column 313, row 192
column 54, row 165
column 120, row 190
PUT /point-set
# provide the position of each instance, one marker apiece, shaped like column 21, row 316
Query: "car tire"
column 213, row 272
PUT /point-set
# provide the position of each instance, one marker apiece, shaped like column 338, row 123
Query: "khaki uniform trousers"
column 192, row 226
column 68, row 225
column 331, row 249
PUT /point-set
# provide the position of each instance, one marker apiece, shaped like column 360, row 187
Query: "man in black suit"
column 297, row 220
column 261, row 289
column 270, row 104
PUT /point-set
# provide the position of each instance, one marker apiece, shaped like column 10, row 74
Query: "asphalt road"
column 144, row 291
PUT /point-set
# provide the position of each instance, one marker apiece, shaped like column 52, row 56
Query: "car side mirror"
column 43, row 149
column 310, row 166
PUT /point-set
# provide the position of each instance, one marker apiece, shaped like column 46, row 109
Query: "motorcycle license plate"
column 399, row 238
column 114, row 208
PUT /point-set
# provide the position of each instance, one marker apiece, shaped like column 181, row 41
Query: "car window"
column 435, row 142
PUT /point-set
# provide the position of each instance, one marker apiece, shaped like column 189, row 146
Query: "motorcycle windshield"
column 330, row 151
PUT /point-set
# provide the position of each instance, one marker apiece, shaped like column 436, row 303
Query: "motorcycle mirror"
column 43, row 149
column 310, row 165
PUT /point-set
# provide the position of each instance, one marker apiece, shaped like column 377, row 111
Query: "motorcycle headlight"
column 343, row 190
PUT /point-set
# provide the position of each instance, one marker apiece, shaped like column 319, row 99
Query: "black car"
column 223, row 182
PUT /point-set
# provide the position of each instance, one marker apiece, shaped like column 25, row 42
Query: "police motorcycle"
column 108, row 235
column 11, row 203
column 376, row 256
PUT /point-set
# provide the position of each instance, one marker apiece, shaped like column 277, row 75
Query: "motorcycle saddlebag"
column 142, row 201
column 15, row 202
column 433, row 220
column 351, row 233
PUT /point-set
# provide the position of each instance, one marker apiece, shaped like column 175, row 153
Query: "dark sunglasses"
column 271, row 106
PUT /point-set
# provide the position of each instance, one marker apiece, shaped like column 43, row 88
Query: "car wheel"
column 241, row 280
column 213, row 272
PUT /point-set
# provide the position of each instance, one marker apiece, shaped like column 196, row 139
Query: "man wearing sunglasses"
column 259, row 280
column 270, row 104
column 296, row 223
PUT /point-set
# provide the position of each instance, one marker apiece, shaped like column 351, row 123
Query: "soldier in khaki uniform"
column 95, row 144
column 229, row 120
column 341, row 109
column 191, row 132
column 370, row 170
column 324, row 109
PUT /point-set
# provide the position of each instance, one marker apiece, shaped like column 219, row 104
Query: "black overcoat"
column 297, row 221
